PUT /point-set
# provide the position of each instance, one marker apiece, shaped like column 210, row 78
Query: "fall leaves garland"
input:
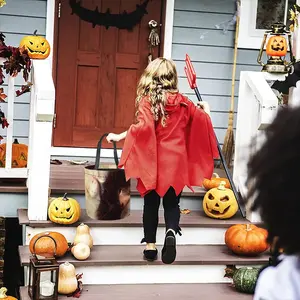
column 16, row 60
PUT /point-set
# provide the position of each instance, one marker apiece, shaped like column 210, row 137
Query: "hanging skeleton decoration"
column 153, row 38
column 122, row 21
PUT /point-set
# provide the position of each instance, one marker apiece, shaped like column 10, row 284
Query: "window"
column 257, row 16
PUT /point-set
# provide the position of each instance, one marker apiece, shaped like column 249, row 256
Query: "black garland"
column 121, row 21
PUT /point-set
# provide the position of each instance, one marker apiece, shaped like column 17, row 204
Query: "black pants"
column 150, row 215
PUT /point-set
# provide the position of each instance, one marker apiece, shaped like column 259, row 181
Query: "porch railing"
column 257, row 107
column 39, row 140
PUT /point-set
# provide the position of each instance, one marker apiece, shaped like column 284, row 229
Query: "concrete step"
column 156, row 291
column 125, row 265
column 197, row 228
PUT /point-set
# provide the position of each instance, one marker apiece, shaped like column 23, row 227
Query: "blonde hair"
column 159, row 77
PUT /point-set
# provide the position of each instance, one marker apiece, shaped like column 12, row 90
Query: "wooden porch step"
column 194, row 219
column 216, row 291
column 132, row 256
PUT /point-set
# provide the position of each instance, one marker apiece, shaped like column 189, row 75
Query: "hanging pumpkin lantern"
column 37, row 46
column 276, row 46
column 215, row 182
column 220, row 203
column 19, row 155
column 276, row 50
column 246, row 239
column 64, row 210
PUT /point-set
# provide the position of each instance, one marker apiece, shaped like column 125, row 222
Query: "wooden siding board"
column 211, row 70
column 218, row 6
column 23, row 25
column 195, row 19
column 28, row 8
column 215, row 54
column 212, row 37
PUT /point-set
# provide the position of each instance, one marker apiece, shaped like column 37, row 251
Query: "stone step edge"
column 221, row 291
column 120, row 255
column 194, row 219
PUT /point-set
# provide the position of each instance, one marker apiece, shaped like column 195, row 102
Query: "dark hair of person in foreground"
column 274, row 180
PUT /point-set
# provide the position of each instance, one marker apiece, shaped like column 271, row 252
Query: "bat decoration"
column 122, row 21
column 291, row 80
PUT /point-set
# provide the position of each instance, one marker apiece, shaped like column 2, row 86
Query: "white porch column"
column 294, row 99
column 257, row 107
column 40, row 138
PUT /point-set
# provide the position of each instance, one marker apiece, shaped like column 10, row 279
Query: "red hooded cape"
column 180, row 154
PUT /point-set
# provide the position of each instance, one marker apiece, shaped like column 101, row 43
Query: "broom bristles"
column 228, row 147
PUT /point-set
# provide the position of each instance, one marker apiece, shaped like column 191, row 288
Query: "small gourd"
column 244, row 279
column 81, row 251
column 67, row 281
column 83, row 235
column 3, row 295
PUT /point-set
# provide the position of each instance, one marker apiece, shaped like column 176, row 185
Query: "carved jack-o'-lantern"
column 64, row 210
column 37, row 46
column 276, row 46
column 220, row 203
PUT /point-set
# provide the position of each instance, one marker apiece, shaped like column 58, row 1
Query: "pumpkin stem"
column 221, row 186
column 248, row 228
column 215, row 175
column 35, row 32
column 230, row 270
column 3, row 292
column 16, row 141
column 65, row 197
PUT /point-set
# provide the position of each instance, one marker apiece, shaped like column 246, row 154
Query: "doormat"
column 122, row 21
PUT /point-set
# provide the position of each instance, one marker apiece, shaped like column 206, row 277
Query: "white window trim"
column 249, row 36
column 168, row 37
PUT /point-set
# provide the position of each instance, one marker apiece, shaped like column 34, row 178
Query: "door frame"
column 51, row 36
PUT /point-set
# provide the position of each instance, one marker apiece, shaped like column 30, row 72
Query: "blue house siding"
column 19, row 18
column 211, row 55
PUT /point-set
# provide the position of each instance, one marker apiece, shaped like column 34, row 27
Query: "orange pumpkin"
column 214, row 182
column 19, row 155
column 246, row 239
column 276, row 46
column 45, row 245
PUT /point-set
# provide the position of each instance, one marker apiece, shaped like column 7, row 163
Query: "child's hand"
column 204, row 105
column 112, row 137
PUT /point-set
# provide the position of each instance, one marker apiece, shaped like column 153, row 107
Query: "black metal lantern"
column 43, row 276
column 276, row 49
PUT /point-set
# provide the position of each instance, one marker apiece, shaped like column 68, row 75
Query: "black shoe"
column 169, row 249
column 150, row 255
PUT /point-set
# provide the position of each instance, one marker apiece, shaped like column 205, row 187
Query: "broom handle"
column 234, row 64
column 236, row 194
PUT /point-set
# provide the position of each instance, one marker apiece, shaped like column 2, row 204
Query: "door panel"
column 97, row 72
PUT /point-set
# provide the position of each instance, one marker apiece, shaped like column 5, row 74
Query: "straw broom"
column 228, row 146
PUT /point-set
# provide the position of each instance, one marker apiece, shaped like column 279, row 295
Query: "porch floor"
column 69, row 178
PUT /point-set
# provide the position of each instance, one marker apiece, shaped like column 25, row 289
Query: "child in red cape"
column 171, row 146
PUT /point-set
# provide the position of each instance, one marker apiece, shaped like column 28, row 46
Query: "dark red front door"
column 97, row 72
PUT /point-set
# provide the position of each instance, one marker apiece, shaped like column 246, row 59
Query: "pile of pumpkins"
column 42, row 245
column 242, row 239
